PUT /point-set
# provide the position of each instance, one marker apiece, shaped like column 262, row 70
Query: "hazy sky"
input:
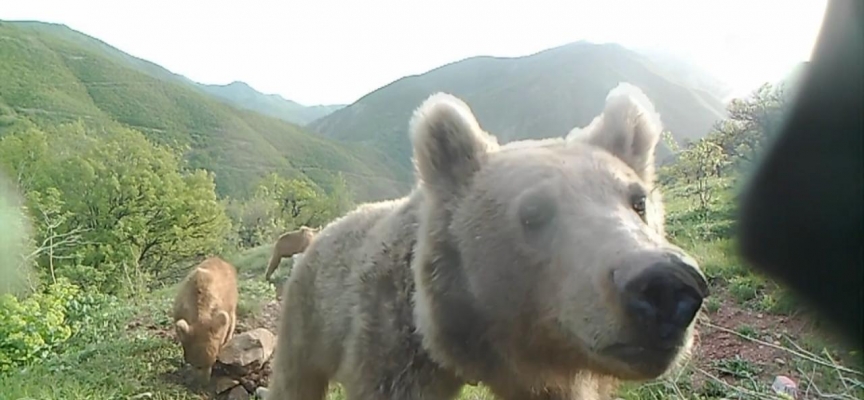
column 327, row 51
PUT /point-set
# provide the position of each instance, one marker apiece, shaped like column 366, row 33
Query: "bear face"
column 202, row 341
column 557, row 245
column 309, row 233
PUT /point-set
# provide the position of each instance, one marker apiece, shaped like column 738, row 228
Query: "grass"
column 750, row 331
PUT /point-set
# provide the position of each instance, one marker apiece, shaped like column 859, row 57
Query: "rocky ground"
column 748, row 354
column 740, row 352
column 244, row 363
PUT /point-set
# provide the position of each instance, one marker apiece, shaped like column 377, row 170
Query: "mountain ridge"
column 273, row 105
column 243, row 95
column 543, row 94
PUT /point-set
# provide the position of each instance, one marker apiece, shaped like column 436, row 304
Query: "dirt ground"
column 733, row 344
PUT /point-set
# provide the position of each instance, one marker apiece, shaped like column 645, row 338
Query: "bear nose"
column 665, row 296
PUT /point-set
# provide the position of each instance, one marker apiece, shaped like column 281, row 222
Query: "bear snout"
column 661, row 300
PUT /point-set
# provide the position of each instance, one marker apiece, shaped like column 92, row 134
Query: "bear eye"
column 536, row 211
column 638, row 204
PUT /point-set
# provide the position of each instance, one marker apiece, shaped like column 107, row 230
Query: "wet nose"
column 665, row 295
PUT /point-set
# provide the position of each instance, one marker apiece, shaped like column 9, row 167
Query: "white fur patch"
column 629, row 128
column 449, row 145
column 630, row 96
column 624, row 99
column 441, row 106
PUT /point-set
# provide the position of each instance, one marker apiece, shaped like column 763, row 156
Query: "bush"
column 31, row 329
column 124, row 208
column 55, row 320
column 93, row 316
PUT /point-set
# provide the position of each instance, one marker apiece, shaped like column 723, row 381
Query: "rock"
column 785, row 387
column 248, row 384
column 248, row 350
column 261, row 393
column 222, row 384
column 238, row 393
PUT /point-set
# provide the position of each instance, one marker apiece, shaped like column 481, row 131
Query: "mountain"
column 242, row 95
column 683, row 70
column 238, row 94
column 541, row 95
column 52, row 74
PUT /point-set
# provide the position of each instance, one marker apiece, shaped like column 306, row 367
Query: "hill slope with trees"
column 53, row 75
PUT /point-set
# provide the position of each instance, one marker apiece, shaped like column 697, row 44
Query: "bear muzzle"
column 659, row 303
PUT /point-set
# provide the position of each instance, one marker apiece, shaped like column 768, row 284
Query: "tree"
column 699, row 164
column 136, row 211
column 278, row 205
column 751, row 122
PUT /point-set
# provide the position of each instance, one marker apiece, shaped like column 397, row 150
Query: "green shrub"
column 58, row 319
column 93, row 316
column 31, row 329
column 253, row 293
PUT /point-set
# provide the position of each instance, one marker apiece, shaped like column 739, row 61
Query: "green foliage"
column 54, row 75
column 104, row 359
column 279, row 205
column 114, row 210
column 730, row 147
column 253, row 293
column 745, row 288
column 33, row 328
column 752, row 122
column 698, row 165
column 706, row 170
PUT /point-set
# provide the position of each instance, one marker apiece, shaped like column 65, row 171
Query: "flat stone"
column 222, row 384
column 255, row 346
column 238, row 393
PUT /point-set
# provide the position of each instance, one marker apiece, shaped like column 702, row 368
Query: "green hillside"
column 240, row 94
column 542, row 95
column 52, row 74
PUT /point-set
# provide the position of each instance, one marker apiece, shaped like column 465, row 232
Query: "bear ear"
column 220, row 320
column 181, row 328
column 629, row 128
column 449, row 145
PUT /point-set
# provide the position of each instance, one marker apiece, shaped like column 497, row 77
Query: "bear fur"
column 289, row 244
column 205, row 314
column 539, row 268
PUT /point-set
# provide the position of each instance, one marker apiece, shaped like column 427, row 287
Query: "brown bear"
column 539, row 268
column 289, row 244
column 205, row 314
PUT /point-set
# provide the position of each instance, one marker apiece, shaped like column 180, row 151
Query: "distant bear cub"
column 539, row 268
column 205, row 314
